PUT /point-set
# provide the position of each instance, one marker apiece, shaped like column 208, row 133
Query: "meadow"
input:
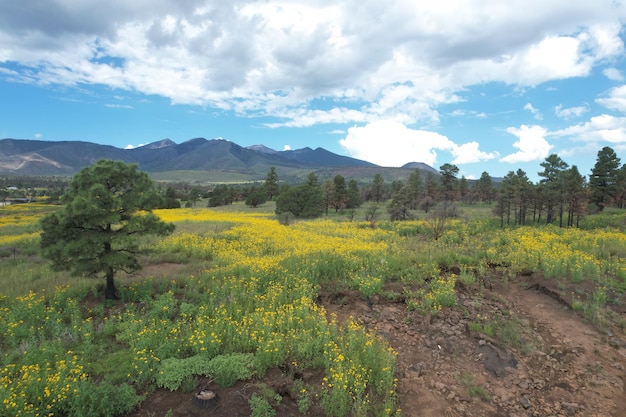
column 245, row 301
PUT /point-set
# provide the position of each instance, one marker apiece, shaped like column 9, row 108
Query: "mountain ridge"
column 38, row 157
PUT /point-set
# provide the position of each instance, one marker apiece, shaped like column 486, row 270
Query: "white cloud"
column 616, row 99
column 286, row 148
column 603, row 128
column 531, row 143
column 129, row 146
column 118, row 106
column 396, row 60
column 391, row 143
column 468, row 153
column 534, row 111
column 613, row 74
column 38, row 135
column 570, row 112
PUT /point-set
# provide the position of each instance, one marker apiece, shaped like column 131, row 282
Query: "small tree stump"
column 205, row 399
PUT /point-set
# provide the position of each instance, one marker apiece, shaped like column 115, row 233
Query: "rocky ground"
column 548, row 361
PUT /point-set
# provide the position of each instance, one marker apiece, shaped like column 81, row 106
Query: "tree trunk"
column 111, row 293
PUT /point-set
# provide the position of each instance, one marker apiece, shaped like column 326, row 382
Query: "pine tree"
column 106, row 210
column 271, row 185
column 603, row 181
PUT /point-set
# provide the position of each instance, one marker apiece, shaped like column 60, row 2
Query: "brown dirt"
column 569, row 368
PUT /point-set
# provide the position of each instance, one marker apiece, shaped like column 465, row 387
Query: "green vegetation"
column 473, row 389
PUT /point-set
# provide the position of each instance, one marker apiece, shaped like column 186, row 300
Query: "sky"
column 487, row 85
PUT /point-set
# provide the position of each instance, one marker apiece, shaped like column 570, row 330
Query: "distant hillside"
column 208, row 159
column 422, row 166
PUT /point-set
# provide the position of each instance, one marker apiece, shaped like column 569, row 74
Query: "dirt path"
column 585, row 368
column 566, row 367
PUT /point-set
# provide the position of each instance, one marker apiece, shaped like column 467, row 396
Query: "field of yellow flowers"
column 250, row 306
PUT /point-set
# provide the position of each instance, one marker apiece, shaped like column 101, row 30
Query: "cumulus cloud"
column 372, row 60
column 531, row 143
column 604, row 128
column 391, row 143
column 616, row 99
column 468, row 153
column 613, row 74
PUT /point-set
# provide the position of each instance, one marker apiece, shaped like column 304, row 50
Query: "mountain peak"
column 262, row 149
column 160, row 144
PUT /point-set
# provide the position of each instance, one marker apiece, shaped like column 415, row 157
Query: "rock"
column 570, row 408
column 439, row 386
column 417, row 368
column 615, row 343
column 539, row 383
column 525, row 401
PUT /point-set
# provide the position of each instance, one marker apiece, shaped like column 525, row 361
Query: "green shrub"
column 173, row 371
column 260, row 407
column 226, row 370
column 102, row 400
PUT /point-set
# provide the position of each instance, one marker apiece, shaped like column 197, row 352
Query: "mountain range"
column 199, row 159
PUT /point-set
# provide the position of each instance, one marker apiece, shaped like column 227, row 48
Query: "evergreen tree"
column 431, row 185
column 449, row 181
column 271, row 184
column 354, row 195
column 340, row 194
column 463, row 188
column 399, row 207
column 603, row 181
column 222, row 195
column 576, row 197
column 620, row 196
column 378, row 188
column 415, row 188
column 256, row 197
column 304, row 200
column 106, row 210
column 170, row 200
column 552, row 187
column 328, row 190
column 484, row 188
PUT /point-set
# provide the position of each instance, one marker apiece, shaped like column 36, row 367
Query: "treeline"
column 562, row 196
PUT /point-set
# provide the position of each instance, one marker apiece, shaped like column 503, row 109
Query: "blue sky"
column 484, row 84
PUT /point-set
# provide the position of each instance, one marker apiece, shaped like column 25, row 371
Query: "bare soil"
column 565, row 366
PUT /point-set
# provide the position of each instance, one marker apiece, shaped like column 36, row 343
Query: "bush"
column 103, row 400
column 226, row 370
column 260, row 407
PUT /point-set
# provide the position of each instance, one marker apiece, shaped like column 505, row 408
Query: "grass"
column 474, row 390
